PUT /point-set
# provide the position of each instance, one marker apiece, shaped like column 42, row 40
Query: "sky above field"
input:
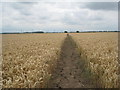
column 59, row 16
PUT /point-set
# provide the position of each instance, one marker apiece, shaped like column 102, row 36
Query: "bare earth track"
column 68, row 72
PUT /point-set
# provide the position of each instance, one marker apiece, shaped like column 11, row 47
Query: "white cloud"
column 57, row 16
column 60, row 0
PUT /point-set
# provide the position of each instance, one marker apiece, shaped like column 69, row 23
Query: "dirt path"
column 67, row 73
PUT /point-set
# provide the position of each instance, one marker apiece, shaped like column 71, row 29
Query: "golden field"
column 28, row 59
column 100, row 52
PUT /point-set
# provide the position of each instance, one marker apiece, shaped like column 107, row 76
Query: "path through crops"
column 68, row 72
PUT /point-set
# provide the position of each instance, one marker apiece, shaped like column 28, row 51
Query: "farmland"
column 100, row 52
column 30, row 60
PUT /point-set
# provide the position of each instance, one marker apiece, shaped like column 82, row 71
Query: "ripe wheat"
column 100, row 52
column 28, row 59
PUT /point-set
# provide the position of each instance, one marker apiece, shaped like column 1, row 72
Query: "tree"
column 38, row 32
column 65, row 32
column 77, row 31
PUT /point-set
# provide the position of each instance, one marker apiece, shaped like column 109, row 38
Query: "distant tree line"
column 89, row 31
column 57, row 32
column 38, row 32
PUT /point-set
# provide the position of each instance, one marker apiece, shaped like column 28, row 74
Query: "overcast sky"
column 59, row 16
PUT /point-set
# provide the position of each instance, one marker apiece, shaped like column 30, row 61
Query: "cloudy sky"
column 59, row 16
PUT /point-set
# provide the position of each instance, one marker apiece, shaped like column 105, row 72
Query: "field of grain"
column 100, row 52
column 28, row 59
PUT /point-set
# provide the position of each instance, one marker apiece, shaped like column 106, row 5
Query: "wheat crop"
column 28, row 59
column 100, row 52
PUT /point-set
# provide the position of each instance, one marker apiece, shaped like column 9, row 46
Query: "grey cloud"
column 23, row 7
column 96, row 18
column 28, row 3
column 102, row 6
column 44, row 18
column 56, row 15
column 20, row 5
column 70, row 19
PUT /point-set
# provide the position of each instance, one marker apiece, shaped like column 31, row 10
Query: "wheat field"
column 29, row 59
column 100, row 52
